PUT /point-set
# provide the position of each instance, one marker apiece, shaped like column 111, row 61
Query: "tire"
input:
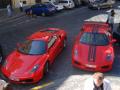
column 46, row 68
column 43, row 14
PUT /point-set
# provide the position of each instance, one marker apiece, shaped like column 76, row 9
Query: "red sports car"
column 31, row 60
column 93, row 48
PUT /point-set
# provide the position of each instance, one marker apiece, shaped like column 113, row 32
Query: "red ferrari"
column 32, row 58
column 93, row 48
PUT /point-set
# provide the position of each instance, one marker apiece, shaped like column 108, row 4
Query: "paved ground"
column 62, row 74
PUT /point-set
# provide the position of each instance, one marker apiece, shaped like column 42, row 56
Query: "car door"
column 54, row 47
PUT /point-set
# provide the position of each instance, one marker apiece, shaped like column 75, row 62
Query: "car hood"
column 93, row 54
column 18, row 63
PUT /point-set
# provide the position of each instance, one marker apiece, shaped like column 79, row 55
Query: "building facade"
column 15, row 3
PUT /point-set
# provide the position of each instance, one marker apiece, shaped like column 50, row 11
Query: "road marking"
column 42, row 86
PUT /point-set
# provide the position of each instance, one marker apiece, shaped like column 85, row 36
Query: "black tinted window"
column 94, row 39
column 33, row 47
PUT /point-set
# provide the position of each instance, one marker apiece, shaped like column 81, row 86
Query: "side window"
column 52, row 41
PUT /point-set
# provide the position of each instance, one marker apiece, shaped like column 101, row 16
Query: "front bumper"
column 90, row 67
column 22, row 79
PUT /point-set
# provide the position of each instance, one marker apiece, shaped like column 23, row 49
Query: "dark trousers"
column 21, row 9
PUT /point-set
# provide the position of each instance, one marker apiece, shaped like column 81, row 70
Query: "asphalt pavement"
column 62, row 75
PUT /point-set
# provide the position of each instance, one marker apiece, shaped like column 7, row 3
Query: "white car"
column 58, row 6
column 69, row 4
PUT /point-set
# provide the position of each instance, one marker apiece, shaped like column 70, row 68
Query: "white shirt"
column 111, row 19
column 21, row 4
column 89, row 84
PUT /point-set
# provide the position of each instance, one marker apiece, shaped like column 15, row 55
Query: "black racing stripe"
column 89, row 53
column 92, row 48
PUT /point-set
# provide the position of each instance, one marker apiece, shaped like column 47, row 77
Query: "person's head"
column 112, row 12
column 98, row 78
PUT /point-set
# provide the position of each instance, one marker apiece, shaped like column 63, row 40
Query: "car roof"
column 43, row 34
column 95, row 27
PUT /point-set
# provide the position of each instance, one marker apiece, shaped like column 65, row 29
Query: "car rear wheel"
column 46, row 68
column 43, row 14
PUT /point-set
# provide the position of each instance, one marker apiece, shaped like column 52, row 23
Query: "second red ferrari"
column 93, row 48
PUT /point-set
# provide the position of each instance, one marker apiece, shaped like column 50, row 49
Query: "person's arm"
column 107, row 85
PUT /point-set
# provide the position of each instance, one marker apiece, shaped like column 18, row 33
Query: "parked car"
column 41, row 9
column 93, row 48
column 68, row 4
column 32, row 58
column 58, row 6
column 98, row 4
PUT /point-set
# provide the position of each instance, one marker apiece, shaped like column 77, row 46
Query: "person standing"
column 9, row 10
column 111, row 19
column 21, row 6
column 97, row 82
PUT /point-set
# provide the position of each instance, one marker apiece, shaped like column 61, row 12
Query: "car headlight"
column 35, row 68
column 108, row 57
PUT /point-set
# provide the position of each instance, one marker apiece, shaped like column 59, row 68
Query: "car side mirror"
column 113, row 41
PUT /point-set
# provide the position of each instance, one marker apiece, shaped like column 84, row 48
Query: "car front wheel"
column 43, row 14
column 46, row 68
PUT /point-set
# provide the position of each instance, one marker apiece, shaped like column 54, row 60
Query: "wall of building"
column 15, row 3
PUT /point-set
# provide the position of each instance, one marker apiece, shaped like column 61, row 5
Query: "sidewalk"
column 76, row 82
column 16, row 13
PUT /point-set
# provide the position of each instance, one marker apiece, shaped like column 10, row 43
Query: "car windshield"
column 63, row 1
column 33, row 47
column 94, row 39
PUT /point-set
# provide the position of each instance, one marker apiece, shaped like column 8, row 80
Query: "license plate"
column 90, row 66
